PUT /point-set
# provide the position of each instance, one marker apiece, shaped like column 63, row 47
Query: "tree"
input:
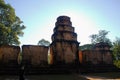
column 86, row 47
column 10, row 25
column 43, row 42
column 116, row 52
column 100, row 37
column 116, row 49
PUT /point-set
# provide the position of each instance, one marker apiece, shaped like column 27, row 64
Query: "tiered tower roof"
column 63, row 30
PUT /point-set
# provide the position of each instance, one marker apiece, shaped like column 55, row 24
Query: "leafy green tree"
column 116, row 52
column 100, row 37
column 43, row 42
column 117, row 63
column 86, row 47
column 10, row 25
column 116, row 49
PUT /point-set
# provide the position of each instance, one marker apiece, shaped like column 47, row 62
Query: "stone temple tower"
column 64, row 42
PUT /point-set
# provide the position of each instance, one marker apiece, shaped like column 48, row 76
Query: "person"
column 21, row 72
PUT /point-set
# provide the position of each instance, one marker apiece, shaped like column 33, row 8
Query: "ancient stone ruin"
column 64, row 44
column 9, row 59
column 63, row 51
column 98, row 59
column 9, row 54
column 101, row 54
column 34, row 55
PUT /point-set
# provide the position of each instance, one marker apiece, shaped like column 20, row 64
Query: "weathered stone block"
column 63, row 20
column 64, row 28
column 64, row 46
column 9, row 54
column 97, row 57
column 65, row 51
column 64, row 35
column 36, row 55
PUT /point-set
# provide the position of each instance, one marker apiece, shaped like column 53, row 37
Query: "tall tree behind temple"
column 10, row 25
column 43, row 42
column 86, row 47
column 100, row 37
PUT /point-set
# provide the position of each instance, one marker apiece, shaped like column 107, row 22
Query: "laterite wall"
column 35, row 55
column 96, row 57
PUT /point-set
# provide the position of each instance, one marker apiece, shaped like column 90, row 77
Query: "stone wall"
column 64, row 51
column 96, row 57
column 9, row 54
column 35, row 58
column 31, row 54
column 9, row 59
column 35, row 55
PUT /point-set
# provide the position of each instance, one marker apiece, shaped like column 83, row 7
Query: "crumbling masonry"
column 64, row 42
column 64, row 52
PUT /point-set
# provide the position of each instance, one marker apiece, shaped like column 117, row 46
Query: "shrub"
column 117, row 63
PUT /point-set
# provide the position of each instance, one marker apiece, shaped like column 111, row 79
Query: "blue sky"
column 87, row 16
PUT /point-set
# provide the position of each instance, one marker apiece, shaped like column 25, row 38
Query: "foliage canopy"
column 43, row 42
column 116, row 49
column 10, row 25
column 86, row 47
column 100, row 37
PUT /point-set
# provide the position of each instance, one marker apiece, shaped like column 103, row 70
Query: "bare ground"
column 90, row 76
